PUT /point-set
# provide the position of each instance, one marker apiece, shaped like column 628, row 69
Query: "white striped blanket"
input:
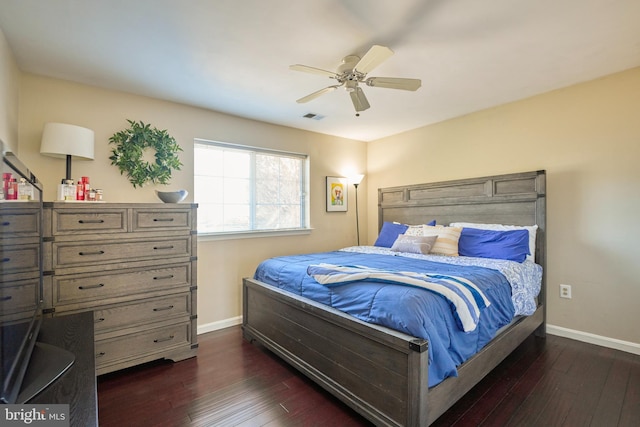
column 465, row 297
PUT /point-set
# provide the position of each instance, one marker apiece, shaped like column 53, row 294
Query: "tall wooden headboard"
column 514, row 199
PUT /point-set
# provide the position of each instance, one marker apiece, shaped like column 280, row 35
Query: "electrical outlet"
column 565, row 291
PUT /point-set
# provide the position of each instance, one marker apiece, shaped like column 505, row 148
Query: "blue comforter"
column 414, row 311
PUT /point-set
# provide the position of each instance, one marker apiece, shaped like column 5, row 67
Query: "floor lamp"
column 356, row 180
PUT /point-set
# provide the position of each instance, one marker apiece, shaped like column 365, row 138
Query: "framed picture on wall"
column 336, row 194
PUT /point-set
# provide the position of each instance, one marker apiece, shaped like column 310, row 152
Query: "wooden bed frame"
column 379, row 372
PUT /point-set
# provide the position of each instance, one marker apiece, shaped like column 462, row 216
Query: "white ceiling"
column 233, row 55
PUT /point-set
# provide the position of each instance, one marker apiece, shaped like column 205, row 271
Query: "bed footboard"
column 448, row 392
column 377, row 371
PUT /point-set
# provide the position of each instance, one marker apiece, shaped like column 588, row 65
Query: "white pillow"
column 532, row 229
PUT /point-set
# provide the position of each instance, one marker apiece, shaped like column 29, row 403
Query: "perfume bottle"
column 80, row 193
column 12, row 190
column 69, row 190
column 6, row 183
column 86, row 185
column 25, row 191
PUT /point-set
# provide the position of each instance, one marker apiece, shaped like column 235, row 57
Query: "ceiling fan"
column 353, row 71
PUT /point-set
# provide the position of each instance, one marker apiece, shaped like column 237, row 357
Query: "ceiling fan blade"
column 312, row 70
column 374, row 57
column 359, row 100
column 316, row 94
column 394, row 83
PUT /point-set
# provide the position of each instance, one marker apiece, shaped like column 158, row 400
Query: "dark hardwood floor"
column 545, row 382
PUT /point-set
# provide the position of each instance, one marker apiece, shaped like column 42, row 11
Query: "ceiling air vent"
column 313, row 116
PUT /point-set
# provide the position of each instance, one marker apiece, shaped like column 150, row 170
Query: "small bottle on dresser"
column 6, row 183
column 69, row 190
column 25, row 192
column 80, row 194
column 12, row 191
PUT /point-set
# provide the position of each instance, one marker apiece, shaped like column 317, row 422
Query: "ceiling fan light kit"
column 352, row 71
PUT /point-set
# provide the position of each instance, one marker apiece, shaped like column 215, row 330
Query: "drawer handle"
column 169, row 338
column 162, row 219
column 155, row 248
column 84, row 288
column 90, row 253
column 102, row 353
column 6, row 298
column 101, row 319
column 6, row 259
column 6, row 223
column 169, row 307
column 169, row 276
column 91, row 221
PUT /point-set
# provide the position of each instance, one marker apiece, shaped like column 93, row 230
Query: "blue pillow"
column 389, row 233
column 511, row 245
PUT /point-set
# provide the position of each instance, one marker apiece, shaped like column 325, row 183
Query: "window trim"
column 305, row 206
column 236, row 235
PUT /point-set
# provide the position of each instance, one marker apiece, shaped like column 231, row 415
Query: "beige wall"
column 9, row 84
column 587, row 137
column 221, row 264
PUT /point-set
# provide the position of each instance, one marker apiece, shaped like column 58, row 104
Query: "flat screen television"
column 18, row 341
column 27, row 366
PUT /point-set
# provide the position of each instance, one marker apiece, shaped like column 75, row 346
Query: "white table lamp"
column 67, row 141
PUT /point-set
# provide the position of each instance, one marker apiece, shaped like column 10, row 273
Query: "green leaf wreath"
column 129, row 148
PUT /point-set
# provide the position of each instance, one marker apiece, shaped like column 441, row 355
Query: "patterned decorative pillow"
column 414, row 244
column 416, row 230
column 447, row 241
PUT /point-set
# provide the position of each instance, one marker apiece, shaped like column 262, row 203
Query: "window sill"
column 233, row 235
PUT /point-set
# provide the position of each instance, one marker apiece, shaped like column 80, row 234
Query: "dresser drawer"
column 69, row 221
column 18, row 296
column 142, row 343
column 76, row 254
column 96, row 287
column 19, row 258
column 150, row 219
column 151, row 310
column 25, row 224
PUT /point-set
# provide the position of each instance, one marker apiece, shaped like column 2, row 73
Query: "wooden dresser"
column 134, row 266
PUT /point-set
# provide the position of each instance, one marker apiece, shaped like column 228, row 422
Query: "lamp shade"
column 62, row 140
column 356, row 179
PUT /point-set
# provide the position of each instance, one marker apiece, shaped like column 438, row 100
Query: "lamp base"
column 357, row 219
column 68, row 166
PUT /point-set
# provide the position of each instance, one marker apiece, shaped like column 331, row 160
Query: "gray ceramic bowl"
column 172, row 196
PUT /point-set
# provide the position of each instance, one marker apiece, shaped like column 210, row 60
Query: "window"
column 240, row 188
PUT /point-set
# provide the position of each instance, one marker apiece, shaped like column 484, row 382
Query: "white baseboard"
column 629, row 347
column 220, row 324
